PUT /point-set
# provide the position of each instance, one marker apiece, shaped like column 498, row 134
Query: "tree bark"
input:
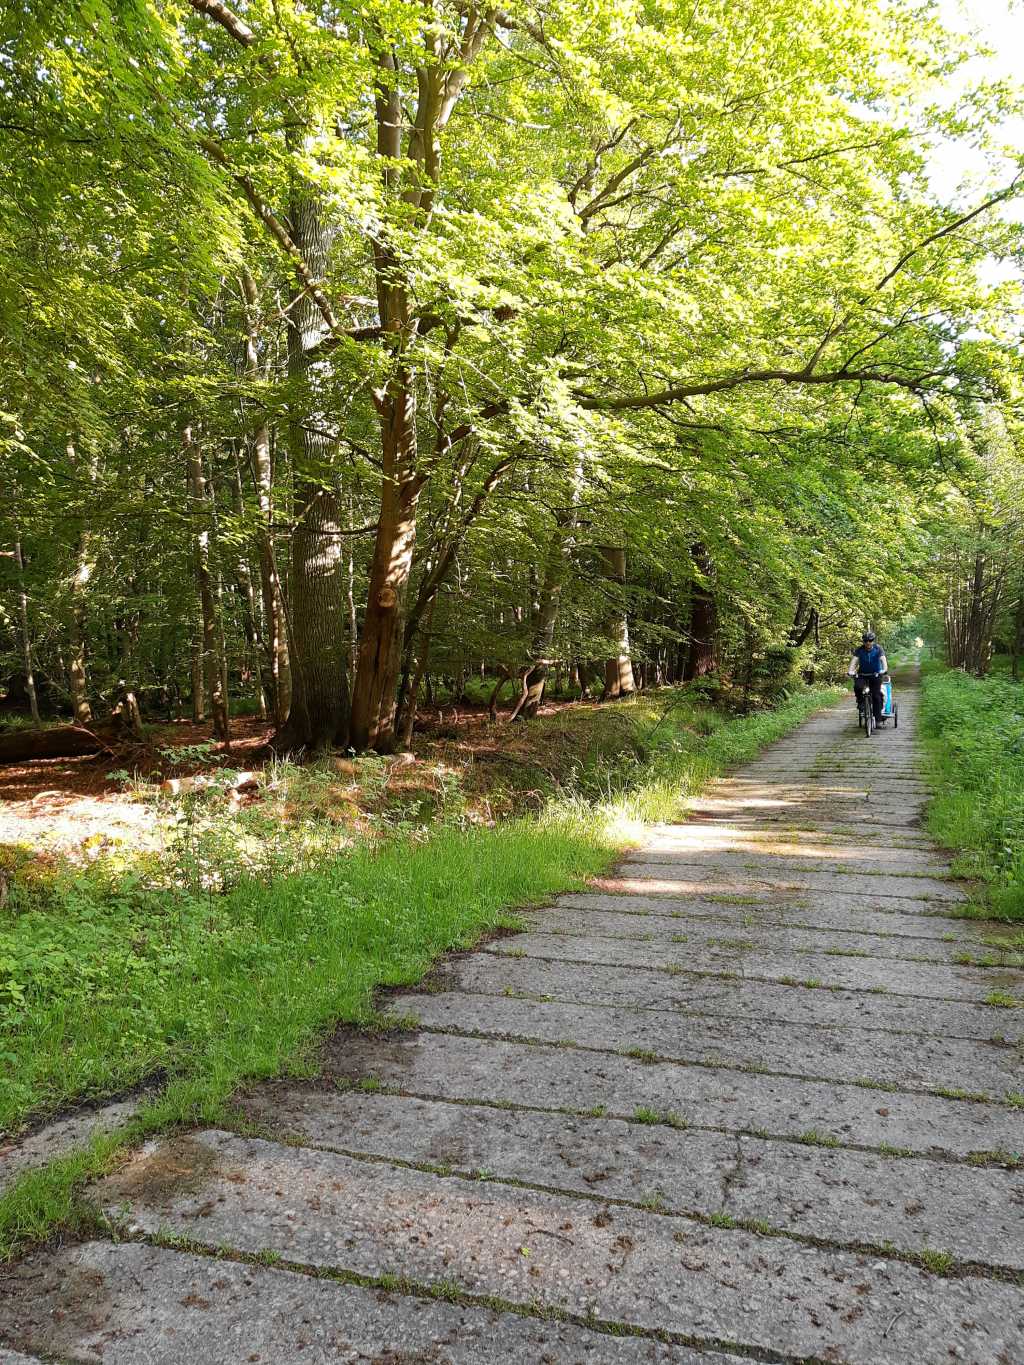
column 618, row 668
column 62, row 741
column 212, row 651
column 380, row 646
column 545, row 621
column 26, row 639
column 319, row 713
column 77, row 680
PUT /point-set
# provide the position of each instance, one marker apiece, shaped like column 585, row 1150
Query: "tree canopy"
column 349, row 345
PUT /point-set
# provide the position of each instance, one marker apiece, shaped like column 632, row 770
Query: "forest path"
column 746, row 1096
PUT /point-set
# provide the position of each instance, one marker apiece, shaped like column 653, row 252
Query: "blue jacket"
column 870, row 659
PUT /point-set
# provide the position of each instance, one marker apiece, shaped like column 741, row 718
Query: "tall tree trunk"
column 319, row 714
column 77, row 680
column 26, row 638
column 275, row 641
column 702, row 659
column 213, row 663
column 618, row 668
column 254, row 648
column 1018, row 631
column 380, row 646
column 412, row 694
column 545, row 621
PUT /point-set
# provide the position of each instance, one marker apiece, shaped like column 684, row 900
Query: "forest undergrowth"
column 226, row 957
column 974, row 733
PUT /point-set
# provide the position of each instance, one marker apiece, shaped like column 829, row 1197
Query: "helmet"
column 868, row 637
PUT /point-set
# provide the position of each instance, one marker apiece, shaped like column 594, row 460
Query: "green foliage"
column 975, row 733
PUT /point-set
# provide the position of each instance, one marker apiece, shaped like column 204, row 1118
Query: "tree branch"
column 228, row 20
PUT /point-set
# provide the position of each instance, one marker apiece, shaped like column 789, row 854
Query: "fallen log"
column 59, row 741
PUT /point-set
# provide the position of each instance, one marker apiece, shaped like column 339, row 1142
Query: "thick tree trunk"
column 212, row 653
column 1018, row 631
column 380, row 647
column 26, row 638
column 618, row 668
column 62, row 741
column 702, row 659
column 319, row 714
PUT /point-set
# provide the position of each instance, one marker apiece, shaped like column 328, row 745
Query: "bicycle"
column 865, row 715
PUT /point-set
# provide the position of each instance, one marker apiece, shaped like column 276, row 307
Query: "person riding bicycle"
column 867, row 667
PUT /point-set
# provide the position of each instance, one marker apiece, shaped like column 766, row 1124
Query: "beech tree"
column 611, row 342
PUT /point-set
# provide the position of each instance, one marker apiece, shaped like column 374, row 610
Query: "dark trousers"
column 865, row 682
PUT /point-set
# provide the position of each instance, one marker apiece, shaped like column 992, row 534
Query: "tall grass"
column 974, row 730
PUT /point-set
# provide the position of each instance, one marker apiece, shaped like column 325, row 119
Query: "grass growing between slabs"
column 974, row 733
column 204, row 968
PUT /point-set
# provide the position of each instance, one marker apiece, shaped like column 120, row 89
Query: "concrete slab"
column 60, row 1138
column 701, row 878
column 143, row 1305
column 775, row 892
column 977, row 1214
column 862, row 860
column 643, row 1270
column 844, row 1053
column 443, row 1066
column 811, row 912
column 926, row 980
column 564, row 921
column 734, row 998
column 694, row 843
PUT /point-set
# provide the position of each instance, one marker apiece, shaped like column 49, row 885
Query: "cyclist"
column 867, row 666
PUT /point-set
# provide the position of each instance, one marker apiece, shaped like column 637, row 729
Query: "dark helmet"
column 868, row 637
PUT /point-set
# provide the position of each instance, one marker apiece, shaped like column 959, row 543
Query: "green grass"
column 205, row 972
column 974, row 731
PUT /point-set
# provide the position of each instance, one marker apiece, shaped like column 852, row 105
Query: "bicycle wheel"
column 895, row 715
column 869, row 717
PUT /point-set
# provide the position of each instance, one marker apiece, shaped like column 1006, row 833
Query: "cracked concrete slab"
column 445, row 1066
column 59, row 1138
column 767, row 892
column 814, row 912
column 606, row 922
column 836, row 1195
column 859, row 861
column 922, row 979
column 844, row 1053
column 733, row 997
column 645, row 1270
column 700, row 879
column 131, row 1304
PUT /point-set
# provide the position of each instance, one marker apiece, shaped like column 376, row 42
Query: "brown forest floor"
column 70, row 802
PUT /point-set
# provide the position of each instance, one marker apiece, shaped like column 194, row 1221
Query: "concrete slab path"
column 759, row 1095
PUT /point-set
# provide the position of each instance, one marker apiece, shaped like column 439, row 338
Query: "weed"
column 812, row 1138
column 938, row 1262
column 721, row 1220
column 641, row 1114
column 641, row 1054
column 1002, row 1000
